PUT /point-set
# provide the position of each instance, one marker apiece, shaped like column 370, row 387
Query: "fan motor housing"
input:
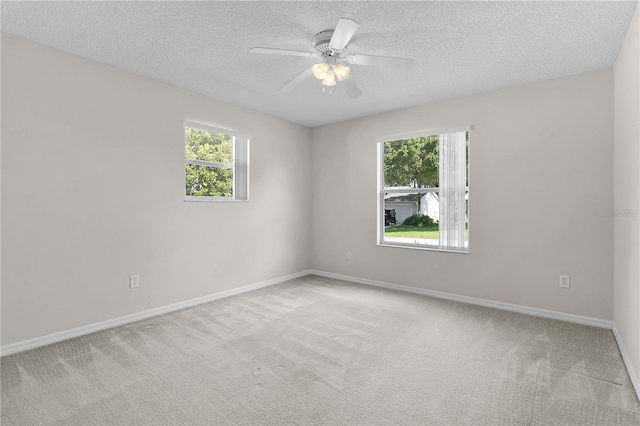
column 321, row 44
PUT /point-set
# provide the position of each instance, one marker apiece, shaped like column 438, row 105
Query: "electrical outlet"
column 565, row 281
column 348, row 255
column 134, row 281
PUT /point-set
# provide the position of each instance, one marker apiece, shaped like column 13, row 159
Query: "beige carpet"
column 321, row 351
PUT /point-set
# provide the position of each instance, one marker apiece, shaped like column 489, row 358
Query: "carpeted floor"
column 320, row 351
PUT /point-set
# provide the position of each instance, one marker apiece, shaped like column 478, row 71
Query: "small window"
column 424, row 191
column 216, row 164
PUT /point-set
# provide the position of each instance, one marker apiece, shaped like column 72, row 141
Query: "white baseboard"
column 103, row 325
column 91, row 328
column 627, row 362
column 474, row 301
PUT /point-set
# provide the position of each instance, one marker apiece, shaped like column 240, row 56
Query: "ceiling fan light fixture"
column 320, row 70
column 341, row 71
column 329, row 79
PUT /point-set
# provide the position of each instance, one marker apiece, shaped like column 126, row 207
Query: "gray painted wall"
column 93, row 186
column 541, row 174
column 627, row 193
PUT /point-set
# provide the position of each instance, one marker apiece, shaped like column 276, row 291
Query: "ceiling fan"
column 331, row 47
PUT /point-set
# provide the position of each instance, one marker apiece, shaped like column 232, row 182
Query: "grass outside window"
column 423, row 232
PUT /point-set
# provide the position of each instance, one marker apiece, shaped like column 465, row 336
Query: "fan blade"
column 271, row 51
column 293, row 83
column 343, row 33
column 381, row 61
column 352, row 88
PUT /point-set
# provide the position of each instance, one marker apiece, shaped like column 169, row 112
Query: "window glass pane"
column 411, row 218
column 208, row 181
column 411, row 162
column 208, row 146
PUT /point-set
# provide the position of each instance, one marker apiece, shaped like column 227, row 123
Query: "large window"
column 216, row 164
column 424, row 191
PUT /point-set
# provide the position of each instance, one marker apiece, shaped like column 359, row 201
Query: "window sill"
column 190, row 198
column 421, row 247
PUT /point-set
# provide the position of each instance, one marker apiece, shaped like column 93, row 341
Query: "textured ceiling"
column 459, row 48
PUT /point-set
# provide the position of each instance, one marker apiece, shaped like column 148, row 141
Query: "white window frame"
column 240, row 164
column 382, row 191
